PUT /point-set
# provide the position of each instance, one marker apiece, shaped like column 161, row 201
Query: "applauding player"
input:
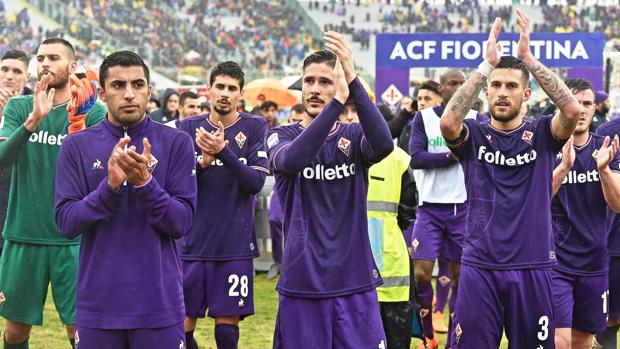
column 328, row 278
column 508, row 253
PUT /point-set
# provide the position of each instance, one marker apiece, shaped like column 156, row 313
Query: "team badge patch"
column 240, row 138
column 458, row 331
column 152, row 163
column 344, row 145
column 415, row 245
column 272, row 140
column 527, row 136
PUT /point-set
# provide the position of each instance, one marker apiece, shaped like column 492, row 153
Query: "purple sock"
column 425, row 291
column 190, row 341
column 451, row 307
column 442, row 284
column 226, row 336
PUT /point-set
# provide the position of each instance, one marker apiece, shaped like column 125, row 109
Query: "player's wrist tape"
column 485, row 68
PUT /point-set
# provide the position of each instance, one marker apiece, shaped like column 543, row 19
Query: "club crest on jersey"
column 152, row 163
column 240, row 138
column 344, row 145
column 458, row 331
column 527, row 136
column 97, row 165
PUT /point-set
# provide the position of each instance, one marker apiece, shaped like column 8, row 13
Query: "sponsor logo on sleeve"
column 344, row 145
column 272, row 140
column 240, row 138
column 262, row 154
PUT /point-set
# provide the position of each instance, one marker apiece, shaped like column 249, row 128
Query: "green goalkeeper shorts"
column 26, row 271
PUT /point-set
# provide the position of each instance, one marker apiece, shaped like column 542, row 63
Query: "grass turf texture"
column 256, row 332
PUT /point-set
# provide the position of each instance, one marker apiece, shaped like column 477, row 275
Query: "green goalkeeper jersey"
column 30, row 214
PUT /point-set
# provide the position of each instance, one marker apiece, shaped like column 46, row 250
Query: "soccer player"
column 328, row 280
column 608, row 339
column 217, row 253
column 584, row 185
column 189, row 105
column 440, row 226
column 505, row 279
column 13, row 77
column 127, row 186
column 35, row 253
column 298, row 112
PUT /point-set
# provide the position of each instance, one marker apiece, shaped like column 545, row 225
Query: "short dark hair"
column 185, row 95
column 228, row 68
column 61, row 41
column 16, row 54
column 510, row 62
column 318, row 57
column 430, row 85
column 268, row 104
column 577, row 85
column 155, row 101
column 124, row 59
column 298, row 108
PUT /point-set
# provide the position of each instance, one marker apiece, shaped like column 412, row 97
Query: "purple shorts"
column 490, row 301
column 439, row 230
column 352, row 321
column 153, row 338
column 614, row 288
column 225, row 288
column 580, row 302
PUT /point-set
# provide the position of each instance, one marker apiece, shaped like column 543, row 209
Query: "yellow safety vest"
column 386, row 239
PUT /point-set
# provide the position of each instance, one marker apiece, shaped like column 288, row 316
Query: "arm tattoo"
column 551, row 84
column 460, row 104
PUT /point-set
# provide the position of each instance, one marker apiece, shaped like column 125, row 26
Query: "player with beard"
column 127, row 186
column 440, row 226
column 35, row 253
column 587, row 183
column 327, row 286
column 218, row 251
column 508, row 252
column 608, row 339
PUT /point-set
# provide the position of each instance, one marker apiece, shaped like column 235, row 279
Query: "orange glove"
column 83, row 97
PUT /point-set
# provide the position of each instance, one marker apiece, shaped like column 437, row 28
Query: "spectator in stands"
column 429, row 95
column 169, row 109
column 189, row 105
column 602, row 109
column 268, row 110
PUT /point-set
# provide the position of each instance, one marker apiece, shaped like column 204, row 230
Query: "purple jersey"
column 611, row 129
column 327, row 251
column 578, row 213
column 508, row 179
column 223, row 227
column 130, row 272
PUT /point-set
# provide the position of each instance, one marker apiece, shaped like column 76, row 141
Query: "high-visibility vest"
column 386, row 239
